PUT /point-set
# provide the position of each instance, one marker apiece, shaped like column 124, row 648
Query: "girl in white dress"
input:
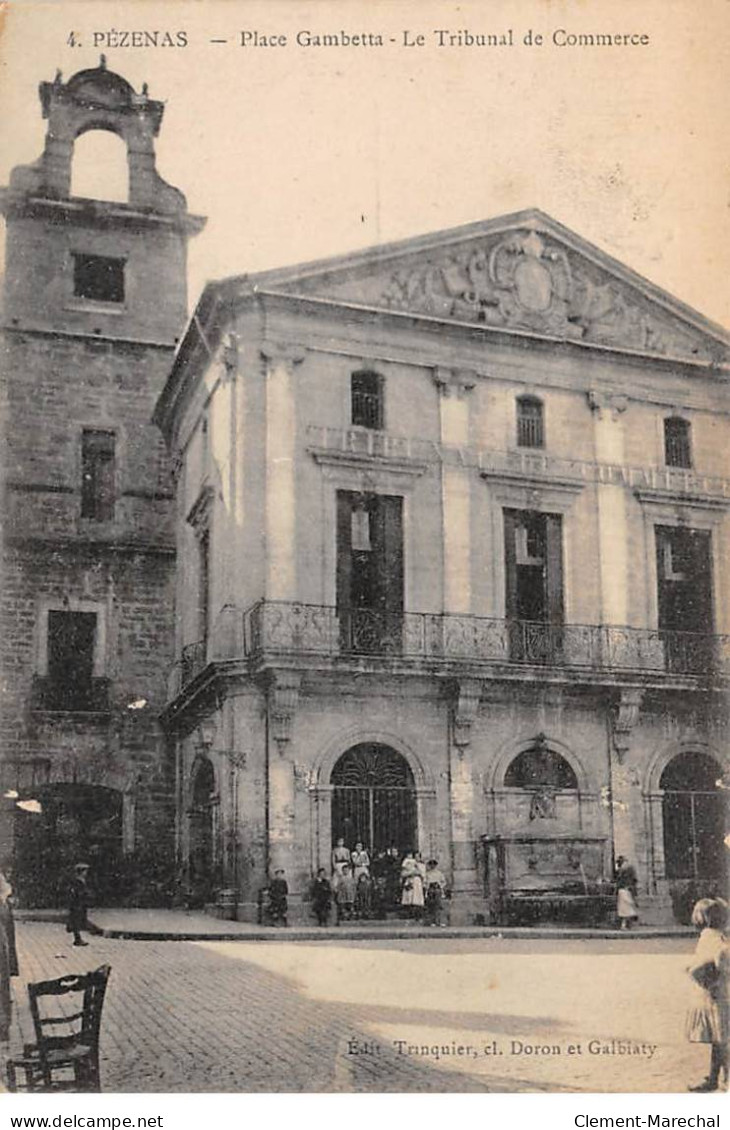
column 708, row 1020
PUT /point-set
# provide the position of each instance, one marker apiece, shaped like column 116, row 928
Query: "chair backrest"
column 63, row 1028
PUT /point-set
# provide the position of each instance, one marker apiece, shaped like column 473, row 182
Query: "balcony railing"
column 525, row 463
column 281, row 629
column 277, row 626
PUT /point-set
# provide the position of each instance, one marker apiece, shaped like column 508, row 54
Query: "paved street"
column 433, row 1015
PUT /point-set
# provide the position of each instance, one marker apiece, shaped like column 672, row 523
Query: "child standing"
column 435, row 884
column 345, row 895
column 708, row 1022
column 278, row 899
column 322, row 897
column 364, row 895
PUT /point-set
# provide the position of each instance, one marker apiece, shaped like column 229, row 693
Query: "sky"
column 297, row 152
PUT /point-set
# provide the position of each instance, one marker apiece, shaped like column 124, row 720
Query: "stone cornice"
column 538, row 484
column 676, row 498
column 95, row 213
column 86, row 544
column 363, row 461
column 350, row 311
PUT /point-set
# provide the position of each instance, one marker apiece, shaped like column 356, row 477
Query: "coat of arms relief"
column 527, row 281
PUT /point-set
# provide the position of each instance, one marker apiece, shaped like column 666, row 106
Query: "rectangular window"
column 677, row 442
column 530, row 422
column 367, row 400
column 98, row 278
column 71, row 640
column 97, row 475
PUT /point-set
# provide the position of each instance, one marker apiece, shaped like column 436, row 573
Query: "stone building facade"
column 453, row 540
column 95, row 300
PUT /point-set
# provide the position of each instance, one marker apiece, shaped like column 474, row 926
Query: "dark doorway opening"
column 534, row 585
column 695, row 812
column 684, row 579
column 370, row 572
column 201, row 860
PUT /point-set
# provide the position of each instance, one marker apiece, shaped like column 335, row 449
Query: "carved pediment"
column 531, row 276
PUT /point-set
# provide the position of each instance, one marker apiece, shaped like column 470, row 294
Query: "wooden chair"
column 65, row 1055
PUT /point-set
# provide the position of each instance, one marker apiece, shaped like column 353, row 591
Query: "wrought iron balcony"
column 272, row 631
column 284, row 628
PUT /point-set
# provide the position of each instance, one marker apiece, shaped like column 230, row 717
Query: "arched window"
column 694, row 810
column 366, row 392
column 374, row 799
column 677, row 442
column 540, row 768
column 530, row 422
column 542, row 774
column 100, row 170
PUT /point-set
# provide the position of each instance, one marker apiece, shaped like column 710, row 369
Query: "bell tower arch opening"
column 99, row 166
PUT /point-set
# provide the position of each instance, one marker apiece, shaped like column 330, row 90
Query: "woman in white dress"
column 627, row 889
column 412, row 886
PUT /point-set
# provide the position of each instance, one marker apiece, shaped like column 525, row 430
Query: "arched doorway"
column 201, row 856
column 694, row 811
column 374, row 799
column 71, row 822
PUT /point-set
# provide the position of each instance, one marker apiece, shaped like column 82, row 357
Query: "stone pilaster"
column 608, row 410
column 453, row 386
column 465, row 881
column 281, row 578
column 625, row 780
column 283, row 699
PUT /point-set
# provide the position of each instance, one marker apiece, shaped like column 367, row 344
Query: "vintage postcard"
column 366, row 547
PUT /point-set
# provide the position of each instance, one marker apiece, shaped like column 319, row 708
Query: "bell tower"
column 110, row 269
column 95, row 300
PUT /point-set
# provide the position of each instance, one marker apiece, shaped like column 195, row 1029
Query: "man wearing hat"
column 78, row 904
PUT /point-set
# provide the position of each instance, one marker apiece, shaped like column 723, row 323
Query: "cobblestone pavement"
column 282, row 1016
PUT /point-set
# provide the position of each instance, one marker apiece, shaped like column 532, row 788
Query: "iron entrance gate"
column 374, row 800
